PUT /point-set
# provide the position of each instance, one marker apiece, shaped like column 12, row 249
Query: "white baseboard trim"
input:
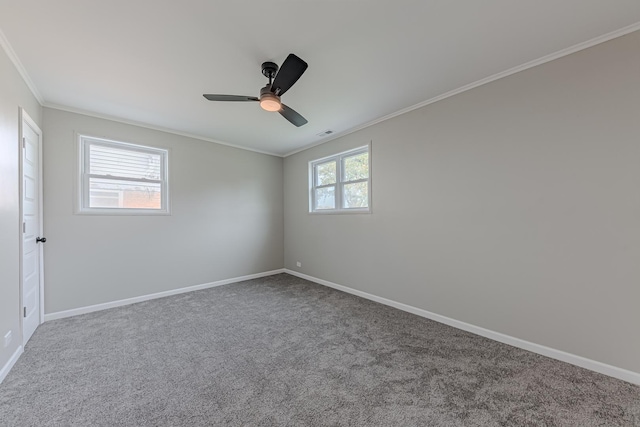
column 583, row 362
column 12, row 361
column 119, row 303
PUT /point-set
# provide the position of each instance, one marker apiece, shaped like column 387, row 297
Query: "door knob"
column 41, row 239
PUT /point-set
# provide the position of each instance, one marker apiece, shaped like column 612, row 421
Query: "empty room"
column 320, row 213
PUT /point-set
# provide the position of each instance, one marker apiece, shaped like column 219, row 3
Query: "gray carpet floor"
column 281, row 351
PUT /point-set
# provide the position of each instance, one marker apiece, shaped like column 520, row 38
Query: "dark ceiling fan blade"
column 290, row 71
column 230, row 97
column 292, row 115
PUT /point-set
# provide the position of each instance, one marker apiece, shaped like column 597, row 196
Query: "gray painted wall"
column 226, row 219
column 514, row 206
column 14, row 94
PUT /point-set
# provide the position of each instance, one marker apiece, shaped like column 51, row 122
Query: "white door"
column 32, row 304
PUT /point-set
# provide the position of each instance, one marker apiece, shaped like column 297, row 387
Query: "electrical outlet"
column 299, row 264
column 7, row 339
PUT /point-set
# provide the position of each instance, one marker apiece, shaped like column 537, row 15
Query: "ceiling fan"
column 291, row 70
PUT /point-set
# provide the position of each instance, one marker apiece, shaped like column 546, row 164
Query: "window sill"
column 341, row 212
column 123, row 212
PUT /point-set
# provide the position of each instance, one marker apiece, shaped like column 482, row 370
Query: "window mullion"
column 339, row 173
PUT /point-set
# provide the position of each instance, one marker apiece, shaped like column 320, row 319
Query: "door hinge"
column 24, row 227
column 24, row 142
column 25, row 311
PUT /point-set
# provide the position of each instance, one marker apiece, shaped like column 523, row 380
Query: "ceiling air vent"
column 325, row 133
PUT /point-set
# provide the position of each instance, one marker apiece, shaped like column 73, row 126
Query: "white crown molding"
column 6, row 46
column 547, row 58
column 583, row 362
column 119, row 303
column 152, row 127
column 12, row 361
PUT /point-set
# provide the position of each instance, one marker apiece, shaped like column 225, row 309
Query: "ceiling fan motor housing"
column 269, row 69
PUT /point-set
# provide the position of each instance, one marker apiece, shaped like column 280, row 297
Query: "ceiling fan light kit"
column 279, row 82
column 269, row 101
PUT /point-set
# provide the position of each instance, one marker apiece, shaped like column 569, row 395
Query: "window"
column 341, row 183
column 121, row 178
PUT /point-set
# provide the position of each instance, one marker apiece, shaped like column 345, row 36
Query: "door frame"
column 25, row 118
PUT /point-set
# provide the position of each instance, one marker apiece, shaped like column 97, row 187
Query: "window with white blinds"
column 122, row 178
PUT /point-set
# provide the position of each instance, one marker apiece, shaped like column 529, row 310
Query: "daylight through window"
column 117, row 177
column 341, row 183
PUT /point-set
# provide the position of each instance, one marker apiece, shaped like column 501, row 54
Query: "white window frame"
column 82, row 181
column 339, row 159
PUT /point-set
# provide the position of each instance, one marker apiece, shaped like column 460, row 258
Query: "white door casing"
column 31, row 253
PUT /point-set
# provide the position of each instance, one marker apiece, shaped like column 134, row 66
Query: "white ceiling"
column 150, row 61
